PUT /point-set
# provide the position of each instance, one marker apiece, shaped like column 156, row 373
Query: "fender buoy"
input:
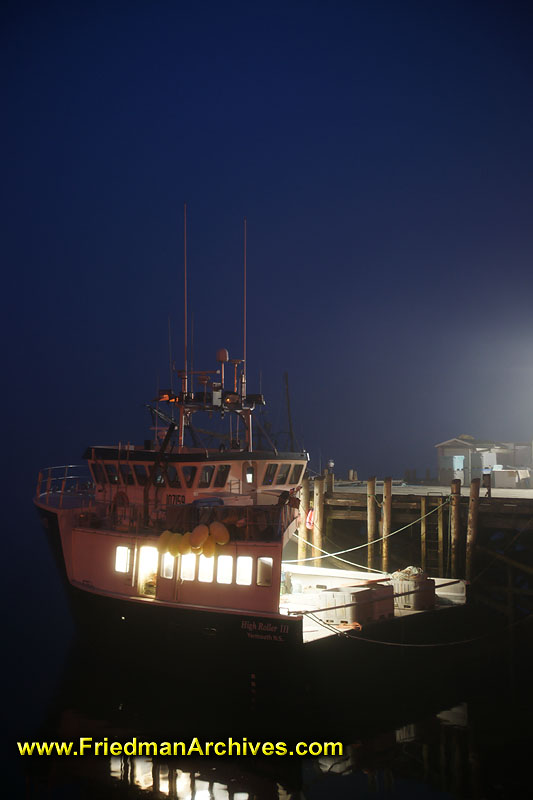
column 310, row 519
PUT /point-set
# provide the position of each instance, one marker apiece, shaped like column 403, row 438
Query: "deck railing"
column 68, row 486
column 259, row 523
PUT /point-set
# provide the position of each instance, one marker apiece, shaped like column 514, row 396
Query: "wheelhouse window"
column 206, row 569
column 159, row 477
column 270, row 471
column 296, row 473
column 205, row 476
column 189, row 474
column 122, row 559
column 225, row 569
column 264, row 571
column 167, row 566
column 98, row 474
column 221, row 476
column 140, row 474
column 244, row 570
column 126, row 474
column 112, row 473
column 283, row 474
column 173, row 477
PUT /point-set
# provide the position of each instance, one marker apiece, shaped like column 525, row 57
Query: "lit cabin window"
column 99, row 474
column 270, row 471
column 244, row 570
column 122, row 559
column 189, row 474
column 140, row 474
column 188, row 567
column 148, row 559
column 222, row 476
column 112, row 474
column 264, row 571
column 173, row 477
column 167, row 566
column 283, row 474
column 126, row 474
column 206, row 569
column 249, row 474
column 296, row 473
column 205, row 476
column 225, row 569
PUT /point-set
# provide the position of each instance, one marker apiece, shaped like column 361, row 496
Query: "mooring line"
column 359, row 546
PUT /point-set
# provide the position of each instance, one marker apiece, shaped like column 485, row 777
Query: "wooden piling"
column 423, row 532
column 386, row 510
column 303, row 533
column 371, row 517
column 330, row 482
column 318, row 517
column 440, row 535
column 471, row 533
column 455, row 525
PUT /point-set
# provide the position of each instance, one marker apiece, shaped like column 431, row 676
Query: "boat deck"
column 447, row 593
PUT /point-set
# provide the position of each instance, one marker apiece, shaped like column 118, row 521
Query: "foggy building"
column 465, row 458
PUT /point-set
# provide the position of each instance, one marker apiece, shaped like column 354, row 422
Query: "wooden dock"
column 455, row 532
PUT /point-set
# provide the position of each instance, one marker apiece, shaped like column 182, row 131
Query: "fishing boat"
column 170, row 540
column 176, row 538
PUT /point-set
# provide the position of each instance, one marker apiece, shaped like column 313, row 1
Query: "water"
column 461, row 735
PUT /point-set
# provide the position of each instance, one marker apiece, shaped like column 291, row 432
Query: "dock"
column 448, row 531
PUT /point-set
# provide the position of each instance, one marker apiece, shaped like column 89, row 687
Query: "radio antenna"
column 244, row 320
column 185, row 295
column 169, row 365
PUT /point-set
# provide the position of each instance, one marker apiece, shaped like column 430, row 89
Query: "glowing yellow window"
column 122, row 559
column 148, row 558
column 167, row 566
column 188, row 567
column 264, row 571
column 225, row 569
column 206, row 569
column 244, row 570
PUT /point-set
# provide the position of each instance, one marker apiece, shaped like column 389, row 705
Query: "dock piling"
column 371, row 516
column 455, row 525
column 386, row 511
column 318, row 517
column 304, row 510
column 423, row 532
column 471, row 533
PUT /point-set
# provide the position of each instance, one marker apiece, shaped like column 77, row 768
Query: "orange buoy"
column 163, row 541
column 199, row 535
column 185, row 544
column 209, row 547
column 174, row 544
column 219, row 532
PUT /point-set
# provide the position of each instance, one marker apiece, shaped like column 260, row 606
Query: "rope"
column 359, row 546
column 348, row 635
column 328, row 555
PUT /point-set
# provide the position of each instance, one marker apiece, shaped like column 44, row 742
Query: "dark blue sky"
column 382, row 154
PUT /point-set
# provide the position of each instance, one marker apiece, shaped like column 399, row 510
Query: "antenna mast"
column 244, row 320
column 185, row 296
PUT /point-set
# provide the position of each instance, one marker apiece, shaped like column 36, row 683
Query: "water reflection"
column 450, row 736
